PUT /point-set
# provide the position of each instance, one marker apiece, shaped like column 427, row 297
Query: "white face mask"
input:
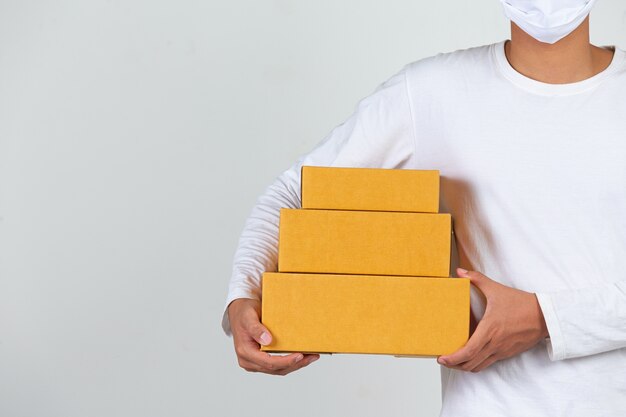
column 547, row 20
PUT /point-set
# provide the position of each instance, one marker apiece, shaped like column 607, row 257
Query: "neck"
column 569, row 60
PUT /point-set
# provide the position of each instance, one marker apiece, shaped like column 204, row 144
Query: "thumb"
column 479, row 280
column 259, row 333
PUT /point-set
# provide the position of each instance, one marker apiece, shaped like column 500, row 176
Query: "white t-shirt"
column 534, row 175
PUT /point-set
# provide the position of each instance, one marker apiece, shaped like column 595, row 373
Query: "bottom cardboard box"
column 394, row 315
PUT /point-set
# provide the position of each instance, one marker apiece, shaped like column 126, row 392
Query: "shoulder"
column 450, row 65
column 432, row 75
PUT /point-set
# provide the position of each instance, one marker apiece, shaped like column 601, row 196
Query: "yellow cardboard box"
column 370, row 189
column 330, row 313
column 364, row 242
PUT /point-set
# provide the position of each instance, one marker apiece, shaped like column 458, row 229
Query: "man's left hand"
column 512, row 323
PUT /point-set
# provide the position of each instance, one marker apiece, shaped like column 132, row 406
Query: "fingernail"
column 314, row 359
column 441, row 361
column 299, row 358
column 463, row 271
column 265, row 338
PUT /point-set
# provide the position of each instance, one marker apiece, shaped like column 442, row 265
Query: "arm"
column 380, row 133
column 574, row 323
column 512, row 323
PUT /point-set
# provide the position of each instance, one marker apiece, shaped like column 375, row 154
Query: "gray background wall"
column 134, row 138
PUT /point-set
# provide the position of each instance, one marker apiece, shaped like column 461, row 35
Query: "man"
column 530, row 138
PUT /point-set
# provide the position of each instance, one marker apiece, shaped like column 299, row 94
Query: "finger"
column 267, row 362
column 308, row 359
column 248, row 366
column 479, row 358
column 256, row 329
column 248, row 348
column 481, row 281
column 486, row 363
column 474, row 345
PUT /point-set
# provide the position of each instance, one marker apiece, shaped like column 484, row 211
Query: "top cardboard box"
column 377, row 189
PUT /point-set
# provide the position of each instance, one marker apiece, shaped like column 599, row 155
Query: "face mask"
column 547, row 20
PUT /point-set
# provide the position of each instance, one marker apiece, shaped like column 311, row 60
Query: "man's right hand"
column 249, row 334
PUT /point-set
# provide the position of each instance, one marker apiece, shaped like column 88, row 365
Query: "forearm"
column 257, row 249
column 585, row 321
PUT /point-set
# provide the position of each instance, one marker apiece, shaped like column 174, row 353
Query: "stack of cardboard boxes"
column 364, row 267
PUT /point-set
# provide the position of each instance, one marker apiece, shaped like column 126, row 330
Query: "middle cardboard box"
column 364, row 242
